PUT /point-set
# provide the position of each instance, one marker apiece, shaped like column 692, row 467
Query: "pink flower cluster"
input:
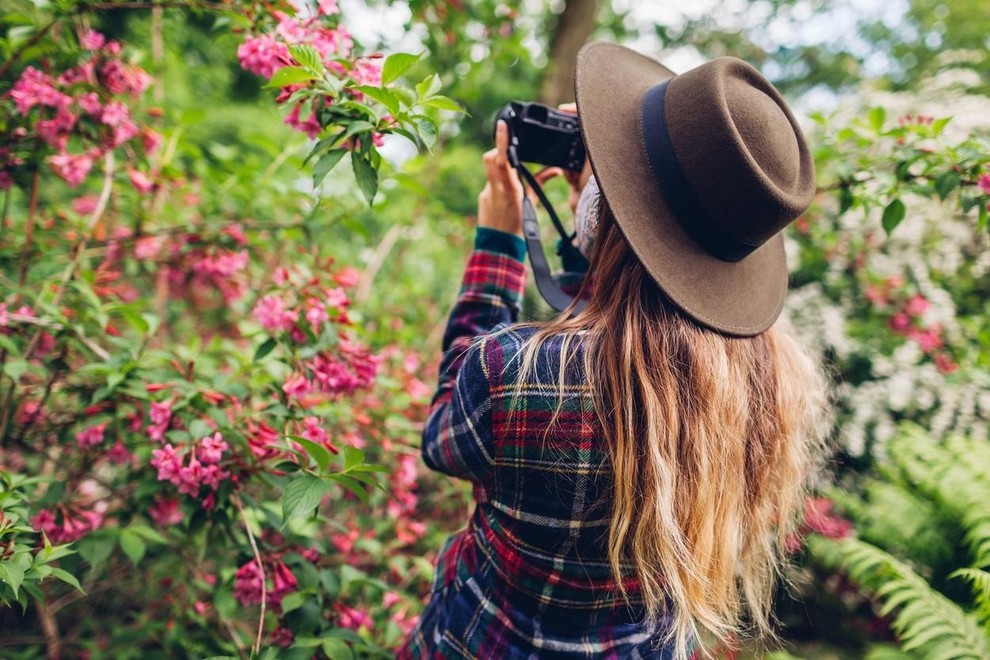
column 249, row 579
column 819, row 519
column 907, row 321
column 203, row 467
column 265, row 54
column 81, row 103
column 74, row 523
column 91, row 436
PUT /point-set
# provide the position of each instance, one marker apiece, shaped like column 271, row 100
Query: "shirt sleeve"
column 457, row 437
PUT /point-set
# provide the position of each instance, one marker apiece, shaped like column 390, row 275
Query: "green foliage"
column 917, row 588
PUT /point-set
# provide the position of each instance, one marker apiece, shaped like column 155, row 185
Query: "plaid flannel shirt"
column 529, row 576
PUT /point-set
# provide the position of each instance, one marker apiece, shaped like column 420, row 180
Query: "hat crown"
column 741, row 150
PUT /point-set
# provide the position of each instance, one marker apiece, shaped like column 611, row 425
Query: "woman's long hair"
column 712, row 441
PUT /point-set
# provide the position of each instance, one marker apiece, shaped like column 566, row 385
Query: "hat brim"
column 741, row 298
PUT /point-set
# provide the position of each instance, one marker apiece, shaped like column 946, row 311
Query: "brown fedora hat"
column 702, row 171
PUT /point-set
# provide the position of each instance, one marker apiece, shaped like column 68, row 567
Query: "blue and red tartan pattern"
column 529, row 576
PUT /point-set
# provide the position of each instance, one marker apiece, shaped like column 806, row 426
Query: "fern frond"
column 954, row 475
column 924, row 619
column 980, row 581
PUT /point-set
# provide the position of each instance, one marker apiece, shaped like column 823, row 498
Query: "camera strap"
column 546, row 283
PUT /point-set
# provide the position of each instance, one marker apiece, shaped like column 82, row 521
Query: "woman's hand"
column 500, row 201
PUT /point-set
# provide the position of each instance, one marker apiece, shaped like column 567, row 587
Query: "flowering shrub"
column 887, row 274
column 209, row 434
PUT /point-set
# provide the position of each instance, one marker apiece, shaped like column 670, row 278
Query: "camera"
column 543, row 135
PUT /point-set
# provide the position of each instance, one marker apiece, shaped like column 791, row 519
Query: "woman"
column 637, row 467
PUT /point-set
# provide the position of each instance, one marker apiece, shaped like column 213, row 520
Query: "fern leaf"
column 925, row 620
column 980, row 581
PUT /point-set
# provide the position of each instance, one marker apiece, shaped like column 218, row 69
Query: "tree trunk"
column 574, row 25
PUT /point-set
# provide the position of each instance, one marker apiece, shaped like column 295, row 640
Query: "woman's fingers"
column 568, row 107
column 547, row 173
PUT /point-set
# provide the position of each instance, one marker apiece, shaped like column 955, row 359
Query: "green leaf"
column 308, row 57
column 147, row 533
column 428, row 87
column 302, row 496
column 366, row 176
column 443, row 103
column 14, row 369
column 293, row 602
column 337, row 649
column 290, row 75
column 984, row 216
column 893, row 214
column 68, row 578
column 199, row 429
column 318, row 452
column 12, row 575
column 132, row 545
column 353, row 485
column 352, row 457
column 383, row 96
column 397, row 64
column 946, row 183
column 326, row 163
column 876, row 117
column 939, row 125
column 267, row 347
column 427, row 130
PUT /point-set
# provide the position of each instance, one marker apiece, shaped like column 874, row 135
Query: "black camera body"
column 543, row 135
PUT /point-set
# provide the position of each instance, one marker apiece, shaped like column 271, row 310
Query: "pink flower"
column 347, row 276
column 91, row 436
column 211, row 448
column 236, row 232
column 353, row 618
column 55, row 132
column 30, row 410
column 313, row 430
column 818, row 518
column 90, row 104
column 928, row 339
column 945, row 364
column 296, row 386
column 85, row 205
column 337, row 298
column 119, row 78
column 328, row 7
column 332, row 44
column 916, row 306
column 161, row 412
column 282, row 637
column 75, row 524
column 316, row 314
column 92, row 40
column 190, row 477
column 201, row 607
column 311, row 126
column 6, row 180
column 367, row 72
column 118, row 454
column 115, row 113
column 166, row 512
column 148, row 247
column 289, row 28
column 140, row 181
column 284, row 582
column 272, row 314
column 984, row 183
column 167, row 462
column 150, row 140
column 71, row 168
column 248, row 583
column 389, row 599
column 900, row 323
column 262, row 55
column 35, row 88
